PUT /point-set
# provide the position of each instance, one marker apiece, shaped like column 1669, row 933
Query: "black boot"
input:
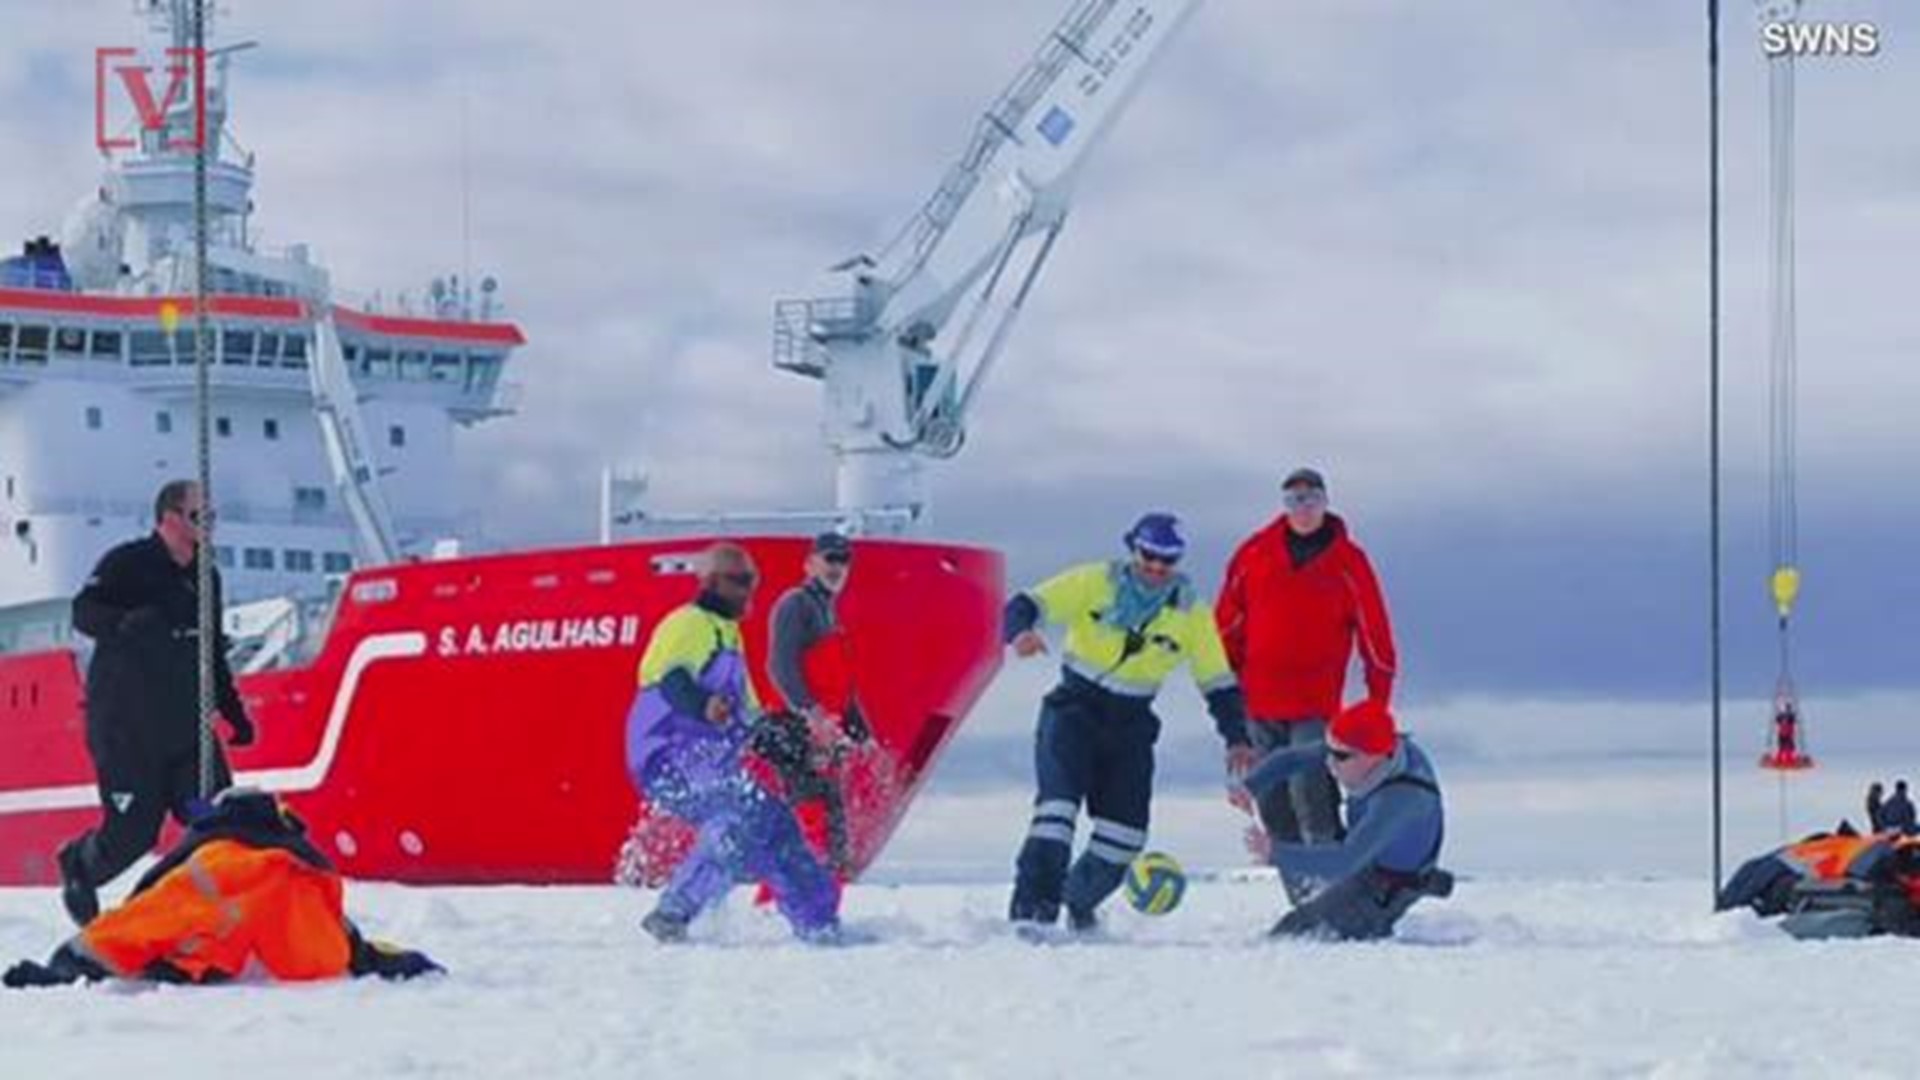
column 666, row 929
column 76, row 890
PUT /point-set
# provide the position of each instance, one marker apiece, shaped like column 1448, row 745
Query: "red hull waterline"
column 465, row 719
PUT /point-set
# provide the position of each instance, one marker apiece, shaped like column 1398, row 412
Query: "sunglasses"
column 1161, row 560
column 838, row 558
column 195, row 517
column 1302, row 498
column 1341, row 753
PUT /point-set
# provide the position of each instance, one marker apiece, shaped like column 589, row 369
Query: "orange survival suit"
column 243, row 893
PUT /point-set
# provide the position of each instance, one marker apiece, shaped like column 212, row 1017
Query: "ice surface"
column 1563, row 953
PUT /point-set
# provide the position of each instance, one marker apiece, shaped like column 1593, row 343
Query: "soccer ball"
column 1155, row 883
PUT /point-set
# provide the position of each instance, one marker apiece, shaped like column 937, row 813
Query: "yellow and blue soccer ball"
column 1155, row 883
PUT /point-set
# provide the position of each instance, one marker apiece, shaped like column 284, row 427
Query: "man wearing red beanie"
column 1299, row 597
column 1358, row 887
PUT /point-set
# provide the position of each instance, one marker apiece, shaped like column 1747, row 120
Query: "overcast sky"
column 1451, row 253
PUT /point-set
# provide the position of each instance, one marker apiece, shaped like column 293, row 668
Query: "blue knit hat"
column 1157, row 534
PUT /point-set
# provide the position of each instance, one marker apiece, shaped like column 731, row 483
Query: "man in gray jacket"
column 1357, row 888
column 811, row 665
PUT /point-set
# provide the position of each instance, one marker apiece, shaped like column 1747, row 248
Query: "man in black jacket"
column 141, row 608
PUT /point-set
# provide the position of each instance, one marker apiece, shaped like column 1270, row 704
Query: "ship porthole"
column 344, row 843
column 411, row 843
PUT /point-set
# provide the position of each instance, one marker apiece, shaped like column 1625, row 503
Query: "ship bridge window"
column 184, row 346
column 147, row 348
column 293, row 354
column 413, row 365
column 30, row 344
column 236, row 347
column 258, row 558
column 106, row 345
column 69, row 341
column 446, row 367
column 296, row 560
column 482, row 369
column 380, row 363
column 336, row 562
column 269, row 348
column 6, row 342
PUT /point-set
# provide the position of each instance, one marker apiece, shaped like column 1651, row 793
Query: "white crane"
column 904, row 352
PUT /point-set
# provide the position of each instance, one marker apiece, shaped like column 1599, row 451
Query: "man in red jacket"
column 1299, row 595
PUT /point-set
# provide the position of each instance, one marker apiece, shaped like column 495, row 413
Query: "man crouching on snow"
column 1357, row 889
column 685, row 736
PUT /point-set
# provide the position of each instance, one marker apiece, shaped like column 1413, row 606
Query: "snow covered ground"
column 1579, row 945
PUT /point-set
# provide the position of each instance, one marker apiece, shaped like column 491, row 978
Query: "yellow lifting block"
column 1786, row 589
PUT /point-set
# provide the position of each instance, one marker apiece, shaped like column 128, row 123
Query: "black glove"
column 243, row 732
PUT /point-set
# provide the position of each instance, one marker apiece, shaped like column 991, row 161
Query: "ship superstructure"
column 97, row 354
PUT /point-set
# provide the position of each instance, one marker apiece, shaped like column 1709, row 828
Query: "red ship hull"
column 465, row 719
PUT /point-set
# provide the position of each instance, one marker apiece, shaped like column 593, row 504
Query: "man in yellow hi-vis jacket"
column 1130, row 623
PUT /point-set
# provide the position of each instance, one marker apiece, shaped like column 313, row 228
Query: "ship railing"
column 879, row 521
column 802, row 327
column 233, row 512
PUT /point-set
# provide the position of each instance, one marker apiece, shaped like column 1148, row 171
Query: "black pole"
column 1713, row 411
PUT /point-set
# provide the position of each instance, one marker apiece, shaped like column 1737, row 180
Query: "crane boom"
column 900, row 375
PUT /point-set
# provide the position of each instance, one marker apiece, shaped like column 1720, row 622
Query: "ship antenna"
column 466, row 205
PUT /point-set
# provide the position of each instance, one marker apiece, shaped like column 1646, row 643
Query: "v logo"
column 153, row 115
column 121, row 800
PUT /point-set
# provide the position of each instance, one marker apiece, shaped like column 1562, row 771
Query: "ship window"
column 236, row 347
column 269, row 349
column 446, row 367
column 184, row 347
column 294, row 354
column 396, row 436
column 336, row 562
column 223, row 427
column 413, row 365
column 6, row 341
column 106, row 344
column 223, row 556
column 296, row 560
column 148, row 347
column 163, row 422
column 270, row 427
column 94, row 419
column 69, row 341
column 380, row 363
column 309, row 498
column 259, row 558
column 32, row 344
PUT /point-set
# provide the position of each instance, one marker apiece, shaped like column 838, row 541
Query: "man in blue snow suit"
column 1130, row 623
column 1357, row 888
column 686, row 735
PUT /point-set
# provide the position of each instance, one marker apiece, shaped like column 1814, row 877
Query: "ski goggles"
column 1303, row 498
column 1157, row 557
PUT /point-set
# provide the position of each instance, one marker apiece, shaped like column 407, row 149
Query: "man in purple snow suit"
column 686, row 735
